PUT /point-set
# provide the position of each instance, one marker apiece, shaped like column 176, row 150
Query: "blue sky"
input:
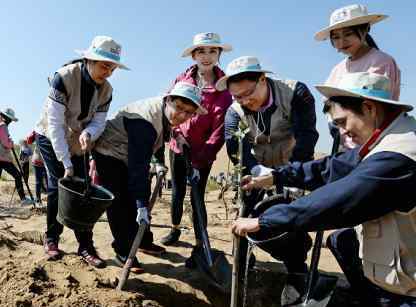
column 39, row 36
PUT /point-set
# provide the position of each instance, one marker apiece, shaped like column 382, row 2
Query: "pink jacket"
column 5, row 143
column 204, row 133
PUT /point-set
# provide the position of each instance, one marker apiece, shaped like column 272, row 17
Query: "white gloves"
column 142, row 216
column 260, row 170
column 160, row 168
column 180, row 142
column 195, row 176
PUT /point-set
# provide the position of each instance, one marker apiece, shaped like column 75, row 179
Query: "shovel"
column 212, row 263
column 319, row 286
column 139, row 236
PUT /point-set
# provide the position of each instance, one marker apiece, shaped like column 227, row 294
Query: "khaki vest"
column 114, row 141
column 71, row 76
column 5, row 153
column 276, row 149
column 388, row 244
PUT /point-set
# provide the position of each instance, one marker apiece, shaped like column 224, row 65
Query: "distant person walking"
column 74, row 117
column 24, row 158
column 38, row 168
column 6, row 145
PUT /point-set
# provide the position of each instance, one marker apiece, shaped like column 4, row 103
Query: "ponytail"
column 370, row 41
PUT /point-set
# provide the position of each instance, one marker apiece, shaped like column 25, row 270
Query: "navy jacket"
column 345, row 192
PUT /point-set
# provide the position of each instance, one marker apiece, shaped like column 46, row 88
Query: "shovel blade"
column 219, row 274
column 320, row 294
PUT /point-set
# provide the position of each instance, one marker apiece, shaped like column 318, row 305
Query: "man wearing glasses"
column 123, row 155
column 281, row 117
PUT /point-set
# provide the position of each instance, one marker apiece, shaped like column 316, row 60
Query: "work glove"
column 194, row 176
column 160, row 168
column 260, row 170
column 142, row 216
column 181, row 141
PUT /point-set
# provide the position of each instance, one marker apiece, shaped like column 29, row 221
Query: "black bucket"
column 76, row 211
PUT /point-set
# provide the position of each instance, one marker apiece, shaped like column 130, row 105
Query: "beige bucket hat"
column 207, row 39
column 366, row 85
column 9, row 112
column 103, row 48
column 348, row 16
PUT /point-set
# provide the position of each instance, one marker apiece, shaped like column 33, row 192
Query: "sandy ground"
column 27, row 279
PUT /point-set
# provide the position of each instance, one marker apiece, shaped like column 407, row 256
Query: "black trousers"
column 113, row 175
column 179, row 182
column 55, row 170
column 14, row 172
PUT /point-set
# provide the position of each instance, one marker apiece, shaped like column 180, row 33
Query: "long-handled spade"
column 139, row 236
column 212, row 263
column 319, row 286
column 21, row 173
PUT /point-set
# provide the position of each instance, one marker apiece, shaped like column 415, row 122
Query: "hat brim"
column 330, row 91
column 12, row 118
column 200, row 109
column 371, row 19
column 188, row 51
column 95, row 57
column 221, row 84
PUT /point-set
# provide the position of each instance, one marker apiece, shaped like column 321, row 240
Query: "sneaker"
column 26, row 202
column 52, row 251
column 136, row 266
column 172, row 237
column 91, row 257
column 152, row 249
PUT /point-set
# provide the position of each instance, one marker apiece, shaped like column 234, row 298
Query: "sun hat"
column 103, row 48
column 365, row 85
column 189, row 91
column 8, row 112
column 207, row 39
column 238, row 66
column 348, row 16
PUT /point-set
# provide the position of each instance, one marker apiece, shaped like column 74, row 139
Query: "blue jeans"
column 344, row 245
column 55, row 171
column 41, row 180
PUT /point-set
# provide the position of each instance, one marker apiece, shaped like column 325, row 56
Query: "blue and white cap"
column 189, row 91
column 207, row 39
column 366, row 85
column 103, row 48
column 238, row 66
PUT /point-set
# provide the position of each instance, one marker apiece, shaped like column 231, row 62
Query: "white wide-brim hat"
column 103, row 48
column 238, row 66
column 366, row 85
column 348, row 16
column 207, row 39
column 189, row 91
column 9, row 113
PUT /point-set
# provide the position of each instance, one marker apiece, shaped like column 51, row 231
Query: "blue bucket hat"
column 189, row 91
column 103, row 48
column 238, row 66
column 366, row 85
column 207, row 39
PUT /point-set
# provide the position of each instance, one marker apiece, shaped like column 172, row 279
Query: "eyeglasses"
column 247, row 94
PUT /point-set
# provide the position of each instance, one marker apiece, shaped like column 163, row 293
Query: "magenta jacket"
column 204, row 133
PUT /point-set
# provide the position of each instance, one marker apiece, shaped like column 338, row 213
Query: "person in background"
column 349, row 33
column 123, row 155
column 6, row 146
column 24, row 158
column 73, row 118
column 203, row 134
column 41, row 178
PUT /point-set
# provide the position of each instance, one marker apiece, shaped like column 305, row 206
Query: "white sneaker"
column 27, row 202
